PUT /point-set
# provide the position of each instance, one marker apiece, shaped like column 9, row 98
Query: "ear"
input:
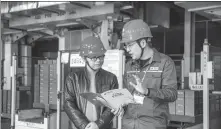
column 143, row 43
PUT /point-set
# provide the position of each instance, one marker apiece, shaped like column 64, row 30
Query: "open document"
column 112, row 98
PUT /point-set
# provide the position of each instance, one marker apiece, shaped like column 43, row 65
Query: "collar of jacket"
column 155, row 58
column 96, row 78
column 86, row 72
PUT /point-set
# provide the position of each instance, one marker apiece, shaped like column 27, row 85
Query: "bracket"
column 13, row 37
column 47, row 32
column 92, row 24
column 18, row 36
column 7, row 38
column 32, row 38
column 60, row 32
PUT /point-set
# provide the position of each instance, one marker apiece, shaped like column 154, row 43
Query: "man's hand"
column 92, row 125
column 118, row 112
column 138, row 87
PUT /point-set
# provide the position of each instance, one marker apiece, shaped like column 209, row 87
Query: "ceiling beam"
column 198, row 6
column 204, row 8
column 48, row 10
column 92, row 24
column 80, row 4
column 18, row 14
column 100, row 12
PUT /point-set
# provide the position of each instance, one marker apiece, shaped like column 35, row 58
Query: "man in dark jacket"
column 150, row 76
column 82, row 113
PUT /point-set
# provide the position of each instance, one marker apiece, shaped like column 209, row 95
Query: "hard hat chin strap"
column 90, row 66
column 142, row 50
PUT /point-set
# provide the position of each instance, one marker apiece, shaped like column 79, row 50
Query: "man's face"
column 133, row 49
column 95, row 62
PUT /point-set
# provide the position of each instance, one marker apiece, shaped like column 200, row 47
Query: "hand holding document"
column 112, row 98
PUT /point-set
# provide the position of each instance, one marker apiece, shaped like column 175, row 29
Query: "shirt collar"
column 156, row 56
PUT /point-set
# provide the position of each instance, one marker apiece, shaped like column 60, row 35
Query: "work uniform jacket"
column 75, row 106
column 161, row 81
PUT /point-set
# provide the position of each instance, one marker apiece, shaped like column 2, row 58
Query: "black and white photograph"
column 110, row 64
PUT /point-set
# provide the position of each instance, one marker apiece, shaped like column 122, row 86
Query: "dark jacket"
column 160, row 79
column 75, row 106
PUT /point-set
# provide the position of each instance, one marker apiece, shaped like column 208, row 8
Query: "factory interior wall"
column 47, row 45
column 175, row 38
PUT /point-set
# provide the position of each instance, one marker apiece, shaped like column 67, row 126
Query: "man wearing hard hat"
column 82, row 113
column 150, row 76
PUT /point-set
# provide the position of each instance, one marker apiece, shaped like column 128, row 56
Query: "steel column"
column 13, row 90
column 7, row 62
column 59, row 83
column 189, row 43
column 106, row 32
column 1, row 83
column 205, row 85
column 59, row 90
column 164, row 41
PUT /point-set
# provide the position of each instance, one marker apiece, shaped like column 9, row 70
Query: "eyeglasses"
column 129, row 45
column 94, row 59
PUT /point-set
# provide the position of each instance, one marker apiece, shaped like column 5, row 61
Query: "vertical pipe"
column 192, row 46
column 122, row 63
column 59, row 90
column 182, row 74
column 1, row 83
column 189, row 44
column 205, row 86
column 104, row 34
column 206, row 29
column 164, row 41
column 13, row 90
column 7, row 63
column 61, row 43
